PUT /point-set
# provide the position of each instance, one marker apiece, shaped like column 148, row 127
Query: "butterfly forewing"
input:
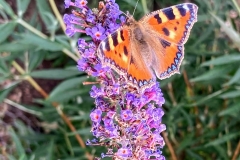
column 173, row 23
column 170, row 28
column 115, row 51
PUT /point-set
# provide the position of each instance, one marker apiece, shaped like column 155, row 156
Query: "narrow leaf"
column 22, row 6
column 222, row 139
column 5, row 6
column 15, row 47
column 65, row 96
column 234, row 79
column 231, row 110
column 55, row 73
column 18, row 146
column 35, row 59
column 6, row 29
column 6, row 90
column 212, row 74
column 66, row 85
column 231, row 94
column 44, row 9
column 223, row 60
column 41, row 42
column 3, row 67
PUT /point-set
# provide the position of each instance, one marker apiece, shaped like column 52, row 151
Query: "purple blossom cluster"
column 126, row 121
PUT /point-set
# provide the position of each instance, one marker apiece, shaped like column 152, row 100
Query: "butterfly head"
column 130, row 20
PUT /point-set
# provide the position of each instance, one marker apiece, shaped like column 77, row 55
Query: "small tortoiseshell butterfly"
column 151, row 47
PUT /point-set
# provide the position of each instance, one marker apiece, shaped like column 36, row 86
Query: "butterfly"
column 152, row 47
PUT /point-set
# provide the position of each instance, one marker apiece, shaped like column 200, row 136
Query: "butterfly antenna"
column 135, row 8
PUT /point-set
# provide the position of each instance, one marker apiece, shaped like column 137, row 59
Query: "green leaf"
column 46, row 150
column 231, row 110
column 3, row 67
column 50, row 150
column 15, row 47
column 231, row 94
column 212, row 74
column 194, row 156
column 18, row 146
column 223, row 60
column 66, row 85
column 11, row 157
column 65, row 96
column 208, row 31
column 36, row 59
column 234, row 79
column 5, row 6
column 6, row 29
column 85, row 131
column 222, row 139
column 44, row 10
column 185, row 143
column 55, row 73
column 22, row 6
column 41, row 42
column 6, row 90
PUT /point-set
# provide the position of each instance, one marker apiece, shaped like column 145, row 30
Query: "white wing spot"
column 103, row 45
column 185, row 7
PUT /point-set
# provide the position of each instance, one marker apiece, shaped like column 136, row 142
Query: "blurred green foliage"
column 202, row 103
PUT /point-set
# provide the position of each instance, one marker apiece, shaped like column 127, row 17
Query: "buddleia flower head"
column 126, row 121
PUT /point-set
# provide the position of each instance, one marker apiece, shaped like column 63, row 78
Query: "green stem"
column 144, row 4
column 8, row 101
column 57, row 14
column 237, row 6
column 32, row 29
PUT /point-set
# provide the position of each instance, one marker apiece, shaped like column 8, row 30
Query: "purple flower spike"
column 127, row 122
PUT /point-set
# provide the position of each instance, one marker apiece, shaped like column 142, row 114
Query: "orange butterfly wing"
column 115, row 51
column 173, row 26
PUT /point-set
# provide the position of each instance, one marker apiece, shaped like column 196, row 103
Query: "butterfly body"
column 151, row 47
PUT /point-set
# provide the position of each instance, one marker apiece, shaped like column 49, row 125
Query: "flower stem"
column 20, row 107
column 32, row 29
column 237, row 6
column 236, row 153
column 170, row 147
column 57, row 14
column 144, row 4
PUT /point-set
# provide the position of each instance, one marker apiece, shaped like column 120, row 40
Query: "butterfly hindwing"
column 173, row 23
column 168, row 58
column 139, row 73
